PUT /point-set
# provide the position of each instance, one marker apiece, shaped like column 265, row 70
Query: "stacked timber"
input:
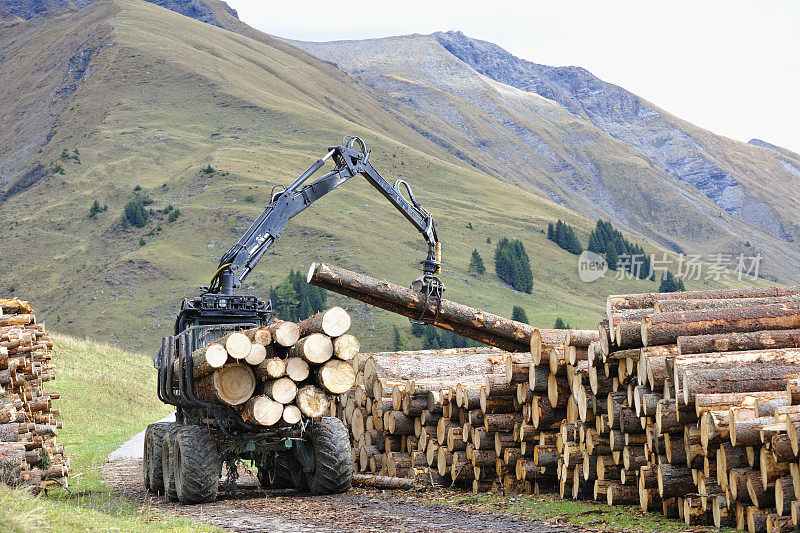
column 273, row 375
column 29, row 455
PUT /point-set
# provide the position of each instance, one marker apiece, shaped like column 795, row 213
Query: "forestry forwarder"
column 184, row 459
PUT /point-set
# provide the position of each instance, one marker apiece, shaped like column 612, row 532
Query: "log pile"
column 29, row 454
column 687, row 404
column 275, row 374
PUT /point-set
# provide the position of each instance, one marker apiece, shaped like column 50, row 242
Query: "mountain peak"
column 207, row 11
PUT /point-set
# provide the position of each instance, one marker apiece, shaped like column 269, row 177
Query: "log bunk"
column 274, row 374
column 29, row 455
column 687, row 404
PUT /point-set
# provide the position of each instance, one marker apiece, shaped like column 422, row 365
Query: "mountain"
column 123, row 100
column 588, row 144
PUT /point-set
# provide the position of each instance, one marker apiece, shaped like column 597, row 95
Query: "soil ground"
column 251, row 509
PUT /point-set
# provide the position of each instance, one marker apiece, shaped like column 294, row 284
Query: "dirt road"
column 251, row 509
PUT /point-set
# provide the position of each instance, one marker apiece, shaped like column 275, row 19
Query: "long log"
column 670, row 306
column 206, row 360
column 466, row 321
column 233, row 384
column 262, row 410
column 332, row 322
column 312, row 402
column 383, row 482
column 665, row 328
column 734, row 342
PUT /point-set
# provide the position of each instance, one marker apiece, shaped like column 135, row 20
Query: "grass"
column 107, row 395
column 551, row 507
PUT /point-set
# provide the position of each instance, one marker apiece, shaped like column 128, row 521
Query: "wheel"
column 196, row 465
column 153, row 439
column 333, row 469
column 167, row 467
column 297, row 475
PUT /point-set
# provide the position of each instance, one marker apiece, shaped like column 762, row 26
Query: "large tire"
column 196, row 465
column 153, row 440
column 167, row 463
column 333, row 467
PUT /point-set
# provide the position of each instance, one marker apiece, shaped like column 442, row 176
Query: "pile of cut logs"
column 684, row 403
column 276, row 373
column 29, row 455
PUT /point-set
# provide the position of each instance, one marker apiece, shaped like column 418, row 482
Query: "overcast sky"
column 730, row 66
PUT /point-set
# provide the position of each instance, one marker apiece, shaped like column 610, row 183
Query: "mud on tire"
column 333, row 470
column 153, row 439
column 167, row 473
column 195, row 465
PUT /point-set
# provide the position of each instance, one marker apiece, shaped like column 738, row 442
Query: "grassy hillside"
column 107, row 395
column 162, row 97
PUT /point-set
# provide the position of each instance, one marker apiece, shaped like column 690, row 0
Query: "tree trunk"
column 233, row 384
column 544, row 339
column 259, row 335
column 734, row 342
column 297, row 369
column 760, row 377
column 332, row 322
column 383, row 482
column 272, row 368
column 257, row 354
column 336, row 376
column 262, row 410
column 466, row 321
column 284, row 333
column 282, row 390
column 206, row 360
column 312, row 402
column 665, row 328
column 237, row 344
column 291, row 414
column 315, row 348
column 671, row 306
column 346, row 347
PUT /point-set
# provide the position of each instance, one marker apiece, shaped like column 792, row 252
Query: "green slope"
column 163, row 96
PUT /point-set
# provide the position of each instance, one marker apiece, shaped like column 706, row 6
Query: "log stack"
column 687, row 404
column 275, row 374
column 29, row 454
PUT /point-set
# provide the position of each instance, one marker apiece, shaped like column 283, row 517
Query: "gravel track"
column 251, row 509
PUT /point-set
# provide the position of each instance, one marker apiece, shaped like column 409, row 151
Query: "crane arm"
column 350, row 158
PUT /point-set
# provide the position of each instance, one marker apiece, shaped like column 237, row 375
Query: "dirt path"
column 251, row 509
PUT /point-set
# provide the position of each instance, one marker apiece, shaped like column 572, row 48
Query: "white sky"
column 730, row 66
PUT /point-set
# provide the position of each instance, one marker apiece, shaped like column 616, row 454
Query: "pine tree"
column 669, row 283
column 519, row 314
column 513, row 266
column 551, row 234
column 476, row 265
column 560, row 324
column 611, row 257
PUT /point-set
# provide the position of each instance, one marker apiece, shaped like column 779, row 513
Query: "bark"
column 734, row 342
column 581, row 338
column 754, row 376
column 714, row 402
column 670, row 306
column 383, row 482
column 466, row 321
column 233, row 384
column 332, row 322
column 665, row 328
column 639, row 301
column 674, row 480
column 205, row 360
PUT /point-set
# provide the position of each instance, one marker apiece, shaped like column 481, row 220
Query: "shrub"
column 142, row 242
column 513, row 266
column 209, row 169
column 174, row 214
column 95, row 209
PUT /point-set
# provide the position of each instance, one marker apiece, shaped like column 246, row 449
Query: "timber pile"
column 274, row 374
column 684, row 403
column 29, row 455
